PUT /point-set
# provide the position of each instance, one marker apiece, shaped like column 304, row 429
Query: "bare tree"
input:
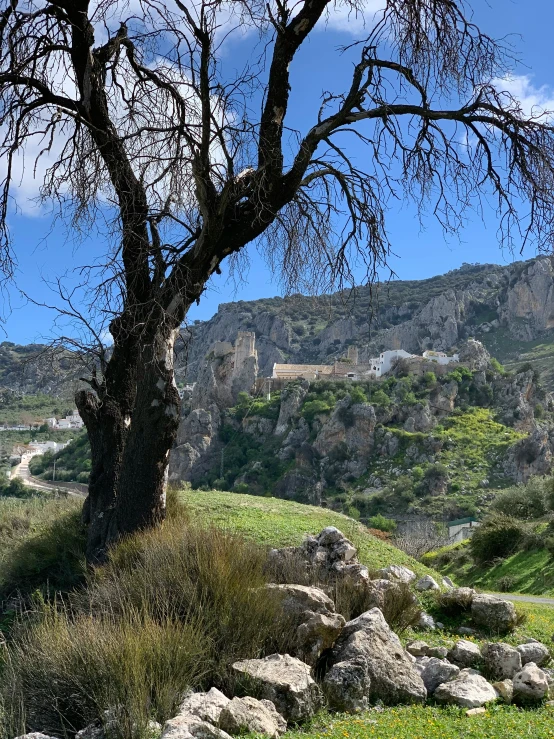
column 150, row 130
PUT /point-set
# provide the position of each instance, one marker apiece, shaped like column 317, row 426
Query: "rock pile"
column 358, row 662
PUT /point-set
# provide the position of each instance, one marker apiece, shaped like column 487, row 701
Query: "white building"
column 384, row 362
column 462, row 529
column 52, row 422
column 440, row 357
column 63, row 423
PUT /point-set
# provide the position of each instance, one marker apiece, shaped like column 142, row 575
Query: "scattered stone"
column 377, row 591
column 534, row 651
column 494, row 613
column 468, row 689
column 530, row 684
column 439, row 652
column 439, row 625
column 318, row 634
column 296, row 599
column 205, row 706
column 457, row 599
column 393, row 677
column 329, row 536
column 447, row 582
column 284, row 680
column 248, row 715
column 347, row 685
column 418, row 648
column 34, row 735
column 397, row 572
column 505, row 690
column 465, row 653
column 427, row 583
column 501, row 660
column 330, row 556
column 426, row 622
column 187, row 726
column 435, row 672
column 476, row 711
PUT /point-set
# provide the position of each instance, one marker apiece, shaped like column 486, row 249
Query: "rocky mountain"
column 510, row 308
column 431, row 444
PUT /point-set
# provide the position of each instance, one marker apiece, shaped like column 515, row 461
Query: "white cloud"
column 342, row 17
column 534, row 101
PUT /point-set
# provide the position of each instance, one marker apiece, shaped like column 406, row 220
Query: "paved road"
column 22, row 470
column 525, row 598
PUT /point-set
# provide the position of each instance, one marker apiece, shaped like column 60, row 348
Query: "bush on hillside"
column 172, row 610
column 530, row 501
column 382, row 523
column 497, row 537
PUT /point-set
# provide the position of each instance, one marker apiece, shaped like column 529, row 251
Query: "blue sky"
column 45, row 251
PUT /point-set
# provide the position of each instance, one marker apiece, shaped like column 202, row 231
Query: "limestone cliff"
column 510, row 308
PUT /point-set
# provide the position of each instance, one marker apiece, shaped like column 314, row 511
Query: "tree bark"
column 106, row 433
column 141, row 498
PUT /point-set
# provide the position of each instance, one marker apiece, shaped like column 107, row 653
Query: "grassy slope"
column 532, row 573
column 277, row 522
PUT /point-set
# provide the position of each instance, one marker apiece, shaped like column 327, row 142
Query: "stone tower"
column 245, row 347
column 352, row 354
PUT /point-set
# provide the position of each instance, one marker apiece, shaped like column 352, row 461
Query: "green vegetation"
column 274, row 522
column 73, row 463
column 27, row 409
column 512, row 549
column 162, row 614
column 424, row 722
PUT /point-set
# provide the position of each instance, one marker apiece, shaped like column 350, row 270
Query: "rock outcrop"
column 285, row 681
column 392, row 676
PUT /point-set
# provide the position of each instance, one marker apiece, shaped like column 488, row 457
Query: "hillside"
column 510, row 308
column 408, row 446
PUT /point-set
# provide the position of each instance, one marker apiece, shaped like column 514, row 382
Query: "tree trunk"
column 141, row 492
column 106, row 433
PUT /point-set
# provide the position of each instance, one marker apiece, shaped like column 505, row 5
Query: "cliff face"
column 511, row 309
column 419, row 445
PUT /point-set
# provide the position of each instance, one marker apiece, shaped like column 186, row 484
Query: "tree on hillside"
column 147, row 128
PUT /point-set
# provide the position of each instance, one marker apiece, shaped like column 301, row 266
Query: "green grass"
column 275, row 522
column 474, row 444
column 418, row 722
column 532, row 572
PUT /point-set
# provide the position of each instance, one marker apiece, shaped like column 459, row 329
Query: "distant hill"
column 509, row 308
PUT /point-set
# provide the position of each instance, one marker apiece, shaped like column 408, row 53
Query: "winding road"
column 22, row 471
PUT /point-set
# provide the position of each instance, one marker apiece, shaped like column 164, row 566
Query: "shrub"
column 383, row 524
column 53, row 559
column 506, row 583
column 527, row 502
column 357, row 395
column 549, row 545
column 313, row 408
column 160, row 617
column 498, row 537
column 379, row 397
column 497, row 367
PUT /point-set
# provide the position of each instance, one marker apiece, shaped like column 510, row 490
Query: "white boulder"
column 502, row 661
column 284, row 680
column 530, row 684
column 427, row 583
column 469, row 690
column 534, row 652
column 248, row 715
column 465, row 653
